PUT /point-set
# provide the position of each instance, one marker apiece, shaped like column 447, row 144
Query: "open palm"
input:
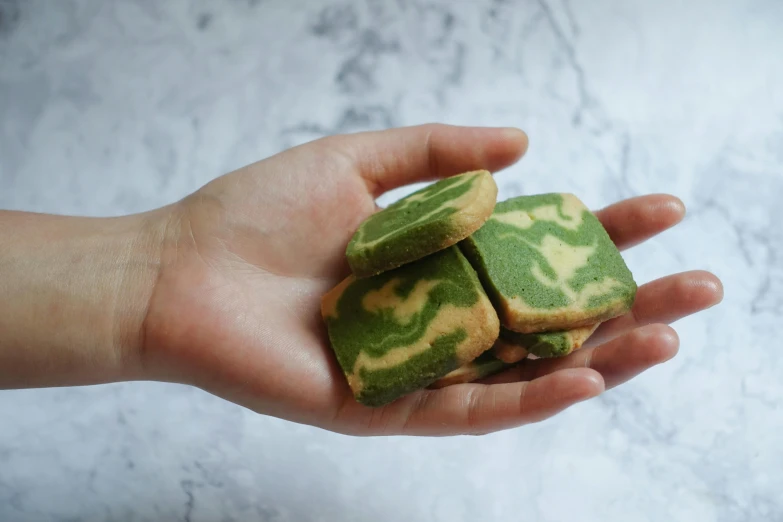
column 247, row 258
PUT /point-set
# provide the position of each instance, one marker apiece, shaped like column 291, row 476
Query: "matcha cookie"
column 548, row 264
column 482, row 366
column 431, row 219
column 401, row 330
column 512, row 347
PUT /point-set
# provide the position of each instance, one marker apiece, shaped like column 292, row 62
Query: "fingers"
column 626, row 357
column 617, row 361
column 664, row 300
column 392, row 158
column 476, row 408
column 635, row 220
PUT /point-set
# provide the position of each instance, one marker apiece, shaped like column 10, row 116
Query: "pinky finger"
column 478, row 408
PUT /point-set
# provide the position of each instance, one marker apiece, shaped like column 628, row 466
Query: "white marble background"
column 110, row 107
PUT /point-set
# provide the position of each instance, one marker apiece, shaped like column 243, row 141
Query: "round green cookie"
column 548, row 264
column 512, row 346
column 431, row 219
column 401, row 330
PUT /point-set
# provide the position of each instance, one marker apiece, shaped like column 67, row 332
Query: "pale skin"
column 222, row 291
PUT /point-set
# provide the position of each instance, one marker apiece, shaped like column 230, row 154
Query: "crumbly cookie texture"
column 548, row 265
column 431, row 219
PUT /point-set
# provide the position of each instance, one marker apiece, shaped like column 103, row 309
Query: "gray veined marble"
column 110, row 107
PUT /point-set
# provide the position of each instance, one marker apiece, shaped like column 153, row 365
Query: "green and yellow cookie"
column 548, row 264
column 402, row 330
column 512, row 346
column 482, row 366
column 431, row 219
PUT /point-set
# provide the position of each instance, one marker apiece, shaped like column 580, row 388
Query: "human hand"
column 245, row 261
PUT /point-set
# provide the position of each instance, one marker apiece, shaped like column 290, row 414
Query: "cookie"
column 482, row 366
column 512, row 346
column 548, row 264
column 431, row 219
column 401, row 330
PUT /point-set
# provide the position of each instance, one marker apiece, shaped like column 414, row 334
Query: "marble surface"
column 111, row 107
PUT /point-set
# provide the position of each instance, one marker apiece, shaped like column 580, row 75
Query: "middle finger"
column 664, row 300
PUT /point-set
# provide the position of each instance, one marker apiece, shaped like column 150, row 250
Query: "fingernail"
column 514, row 132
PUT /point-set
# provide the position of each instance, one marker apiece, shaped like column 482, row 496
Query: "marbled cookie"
column 512, row 346
column 548, row 264
column 401, row 330
column 482, row 366
column 431, row 219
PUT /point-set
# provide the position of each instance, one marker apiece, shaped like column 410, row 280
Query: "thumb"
column 392, row 158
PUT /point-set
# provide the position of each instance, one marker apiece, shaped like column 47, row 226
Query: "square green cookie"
column 548, row 264
column 403, row 329
column 431, row 219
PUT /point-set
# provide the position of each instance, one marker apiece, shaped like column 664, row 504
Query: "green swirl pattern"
column 426, row 221
column 548, row 264
column 403, row 329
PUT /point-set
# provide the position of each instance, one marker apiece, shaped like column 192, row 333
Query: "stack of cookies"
column 449, row 287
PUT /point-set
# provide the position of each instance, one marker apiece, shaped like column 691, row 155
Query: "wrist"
column 139, row 247
column 74, row 297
